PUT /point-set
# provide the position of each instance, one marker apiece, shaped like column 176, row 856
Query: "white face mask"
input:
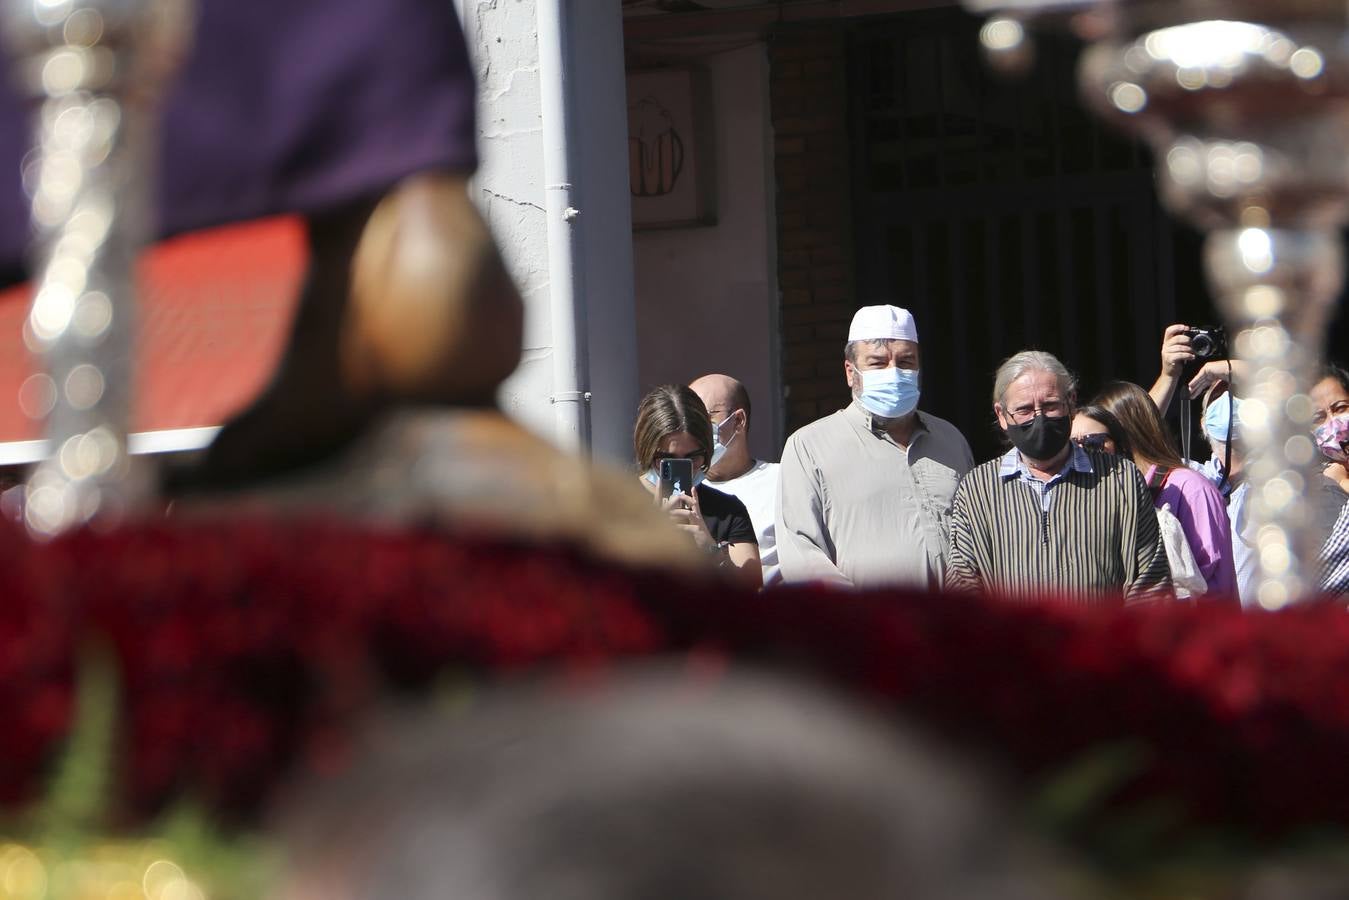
column 889, row 393
column 718, row 448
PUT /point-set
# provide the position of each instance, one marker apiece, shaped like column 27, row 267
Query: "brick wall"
column 815, row 266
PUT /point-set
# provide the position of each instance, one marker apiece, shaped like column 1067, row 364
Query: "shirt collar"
column 1012, row 464
column 863, row 417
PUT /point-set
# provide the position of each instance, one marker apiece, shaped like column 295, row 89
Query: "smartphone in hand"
column 676, row 477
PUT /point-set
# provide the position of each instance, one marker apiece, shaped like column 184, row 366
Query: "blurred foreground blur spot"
column 656, row 787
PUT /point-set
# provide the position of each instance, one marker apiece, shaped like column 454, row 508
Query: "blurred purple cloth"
column 294, row 106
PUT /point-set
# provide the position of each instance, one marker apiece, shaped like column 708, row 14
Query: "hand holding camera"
column 1182, row 345
column 1176, row 350
column 1208, row 343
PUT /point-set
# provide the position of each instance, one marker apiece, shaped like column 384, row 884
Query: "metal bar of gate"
column 939, row 44
column 956, row 260
column 1142, row 293
column 1166, row 263
column 900, row 107
column 1103, row 301
column 921, row 284
column 1063, row 236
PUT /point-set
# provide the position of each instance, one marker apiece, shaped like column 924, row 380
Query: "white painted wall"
column 509, row 188
column 721, row 280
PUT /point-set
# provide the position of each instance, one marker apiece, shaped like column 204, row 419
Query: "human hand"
column 1176, row 350
column 1214, row 371
column 687, row 516
column 1337, row 473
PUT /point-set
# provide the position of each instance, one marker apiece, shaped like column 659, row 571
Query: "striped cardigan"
column 1099, row 537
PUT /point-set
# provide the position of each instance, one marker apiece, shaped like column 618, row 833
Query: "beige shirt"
column 855, row 508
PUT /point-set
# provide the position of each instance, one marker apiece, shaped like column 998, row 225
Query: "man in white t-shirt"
column 734, row 471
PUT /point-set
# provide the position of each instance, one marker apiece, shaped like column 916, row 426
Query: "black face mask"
column 1042, row 437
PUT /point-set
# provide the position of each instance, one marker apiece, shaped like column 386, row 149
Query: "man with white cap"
column 865, row 493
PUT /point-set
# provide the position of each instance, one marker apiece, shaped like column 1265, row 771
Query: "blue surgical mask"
column 889, row 393
column 1218, row 418
column 718, row 448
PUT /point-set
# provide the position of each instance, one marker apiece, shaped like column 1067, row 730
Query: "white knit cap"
column 883, row 323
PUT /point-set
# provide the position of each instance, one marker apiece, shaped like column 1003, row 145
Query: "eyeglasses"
column 1052, row 409
column 1095, row 441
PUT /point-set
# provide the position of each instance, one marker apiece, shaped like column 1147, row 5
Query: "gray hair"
column 661, row 788
column 1018, row 364
column 850, row 348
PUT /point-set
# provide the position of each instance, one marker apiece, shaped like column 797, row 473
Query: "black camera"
column 1208, row 343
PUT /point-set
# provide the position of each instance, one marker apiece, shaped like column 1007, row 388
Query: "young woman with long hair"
column 672, row 423
column 1194, row 500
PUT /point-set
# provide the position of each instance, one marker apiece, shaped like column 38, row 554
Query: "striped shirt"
column 1335, row 557
column 1091, row 529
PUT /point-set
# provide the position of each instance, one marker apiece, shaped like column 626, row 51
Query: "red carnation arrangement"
column 245, row 647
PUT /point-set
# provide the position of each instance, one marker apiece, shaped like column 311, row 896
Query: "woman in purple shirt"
column 1194, row 500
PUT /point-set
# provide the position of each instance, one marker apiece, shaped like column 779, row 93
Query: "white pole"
column 571, row 394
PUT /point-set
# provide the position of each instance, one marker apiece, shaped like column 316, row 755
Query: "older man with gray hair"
column 1048, row 513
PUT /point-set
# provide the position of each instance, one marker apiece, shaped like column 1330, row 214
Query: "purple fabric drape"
column 294, row 106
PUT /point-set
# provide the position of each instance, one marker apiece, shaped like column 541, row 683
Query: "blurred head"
column 672, row 423
column 1141, row 423
column 1220, row 422
column 1221, row 425
column 1096, row 429
column 655, row 787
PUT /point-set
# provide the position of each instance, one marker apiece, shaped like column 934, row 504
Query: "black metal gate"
column 1005, row 217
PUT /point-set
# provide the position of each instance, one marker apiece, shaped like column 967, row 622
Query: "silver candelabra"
column 95, row 70
column 1246, row 106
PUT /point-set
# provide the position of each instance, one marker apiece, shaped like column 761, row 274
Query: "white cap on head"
column 883, row 323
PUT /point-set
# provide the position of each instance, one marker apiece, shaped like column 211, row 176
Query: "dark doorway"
column 1006, row 217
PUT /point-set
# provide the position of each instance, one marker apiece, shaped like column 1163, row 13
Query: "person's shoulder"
column 1191, row 481
column 719, row 506
column 831, row 422
column 1112, row 465
column 941, row 427
column 760, row 473
column 720, row 502
column 813, row 432
column 981, row 485
column 763, row 469
column 988, row 470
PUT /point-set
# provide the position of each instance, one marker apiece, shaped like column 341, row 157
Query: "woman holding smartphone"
column 672, row 424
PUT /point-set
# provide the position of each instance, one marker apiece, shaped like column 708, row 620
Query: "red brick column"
column 808, row 72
